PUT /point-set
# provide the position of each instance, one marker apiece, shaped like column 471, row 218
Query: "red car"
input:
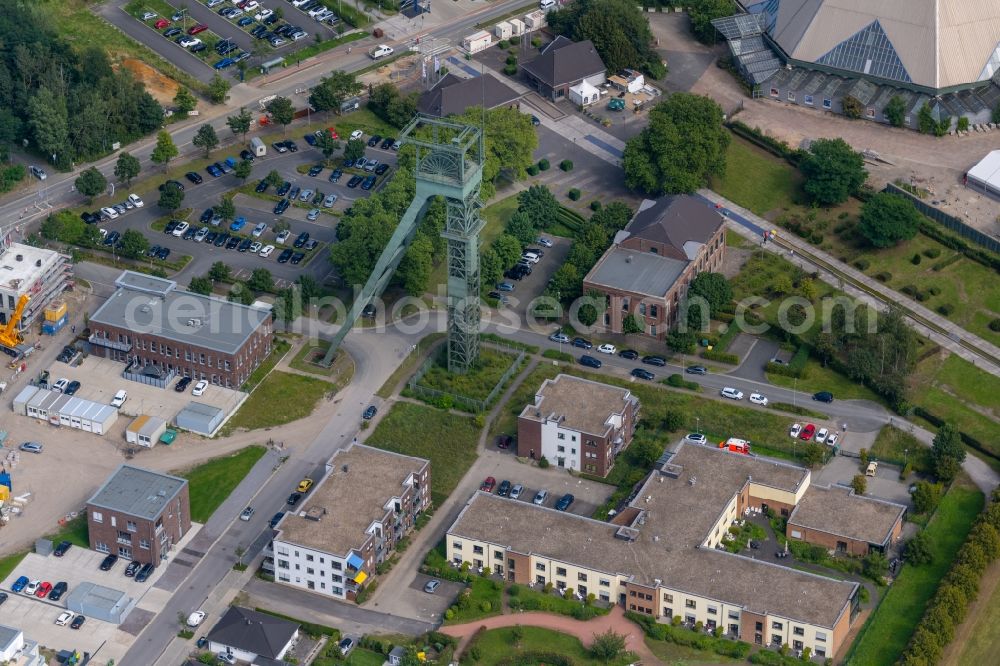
column 43, row 590
column 333, row 133
column 489, row 484
column 195, row 29
column 161, row 24
column 808, row 432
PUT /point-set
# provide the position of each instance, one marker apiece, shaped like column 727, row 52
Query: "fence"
column 158, row 381
column 462, row 402
column 949, row 221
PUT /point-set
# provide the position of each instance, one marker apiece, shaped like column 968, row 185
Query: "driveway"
column 755, row 352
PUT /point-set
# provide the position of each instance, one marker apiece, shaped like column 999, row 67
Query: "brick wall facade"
column 835, row 542
column 135, row 538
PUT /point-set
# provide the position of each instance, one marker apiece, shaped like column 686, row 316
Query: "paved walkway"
column 585, row 631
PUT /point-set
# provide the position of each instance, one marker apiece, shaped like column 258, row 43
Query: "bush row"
column 966, row 438
column 532, row 658
column 678, row 381
column 688, row 638
column 958, row 589
column 769, row 143
column 310, row 629
column 721, row 357
column 977, row 254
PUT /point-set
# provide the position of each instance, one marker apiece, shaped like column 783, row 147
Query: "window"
column 284, row 578
column 777, row 625
column 539, row 566
column 101, row 547
column 653, row 310
column 337, row 590
column 604, row 582
column 309, row 557
column 540, row 580
column 734, row 615
column 144, row 543
column 774, row 92
column 125, row 552
column 798, row 631
column 510, row 564
column 336, row 565
column 760, row 626
column 690, row 603
column 310, row 571
column 130, row 526
column 283, row 564
column 478, row 550
column 311, row 585
column 808, row 99
column 457, row 545
column 336, row 578
column 797, row 645
column 827, row 104
column 791, row 96
column 560, row 571
column 668, row 598
column 821, row 637
column 581, row 576
column 97, row 516
column 642, row 309
column 498, row 555
column 561, row 435
column 561, row 449
column 712, row 610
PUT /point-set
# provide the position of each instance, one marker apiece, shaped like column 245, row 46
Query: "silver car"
column 515, row 492
column 329, row 200
column 306, row 195
column 540, row 497
column 313, row 214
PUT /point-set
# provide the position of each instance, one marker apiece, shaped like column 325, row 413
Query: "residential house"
column 453, row 95
column 563, row 64
column 252, row 637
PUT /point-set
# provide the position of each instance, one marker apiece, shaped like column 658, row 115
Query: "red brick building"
column 646, row 271
column 837, row 519
column 138, row 514
column 578, row 424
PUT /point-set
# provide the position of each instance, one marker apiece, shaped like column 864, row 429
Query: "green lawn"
column 362, row 657
column 499, row 645
column 409, row 365
column 282, row 397
column 888, row 630
column 816, row 377
column 895, row 446
column 984, row 640
column 447, row 440
column 680, row 655
column 9, row 563
column 470, row 604
column 477, row 384
column 210, row 483
column 306, row 360
column 279, row 348
column 497, row 215
column 757, row 180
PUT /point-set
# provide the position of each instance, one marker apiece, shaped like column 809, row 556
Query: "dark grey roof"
column 137, row 492
column 248, row 630
column 152, row 305
column 453, row 95
column 8, row 635
column 565, row 61
column 636, row 272
column 675, row 220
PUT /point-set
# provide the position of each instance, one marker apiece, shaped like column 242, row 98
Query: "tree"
column 185, row 101
column 127, row 168
column 386, row 102
column 833, row 170
column 261, row 280
column 859, row 483
column 947, row 453
column 165, row 149
column 714, row 288
column 918, row 549
column 874, row 564
column 886, row 219
column 133, row 244
column 852, row 106
column 927, row 124
column 682, row 343
column 608, row 645
column 644, row 451
column 48, row 119
column 240, row 123
column 281, row 110
column 243, row 169
column 683, row 145
column 327, row 145
column 702, row 13
column 218, row 90
column 219, row 272
column 90, row 183
column 65, row 227
column 201, row 285
column 618, row 29
column 521, row 227
column 539, row 205
column 355, row 149
column 926, row 496
column 206, row 138
column 490, row 269
column 225, row 209
column 171, row 198
column 240, row 293
column 273, row 178
column 589, row 312
column 333, row 90
column 895, row 111
column 510, row 144
column 415, row 269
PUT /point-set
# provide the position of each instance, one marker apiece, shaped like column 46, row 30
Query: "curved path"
column 585, row 631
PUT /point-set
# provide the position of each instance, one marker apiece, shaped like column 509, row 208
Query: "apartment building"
column 840, row 520
column 351, row 521
column 16, row 650
column 663, row 556
column 35, row 272
column 578, row 424
column 150, row 323
column 646, row 271
column 138, row 514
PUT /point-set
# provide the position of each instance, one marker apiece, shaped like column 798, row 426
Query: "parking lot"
column 505, row 466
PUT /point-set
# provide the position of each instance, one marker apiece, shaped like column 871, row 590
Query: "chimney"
column 345, row 468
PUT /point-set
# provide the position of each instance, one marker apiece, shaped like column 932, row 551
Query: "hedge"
column 966, row 438
column 721, row 357
column 977, row 254
column 532, row 658
column 769, row 143
column 688, row 638
column 959, row 587
column 312, row 630
column 678, row 381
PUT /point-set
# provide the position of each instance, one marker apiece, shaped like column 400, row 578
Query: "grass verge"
column 278, row 352
column 888, row 629
column 895, row 446
column 210, row 483
column 477, row 384
column 307, row 360
column 409, row 365
column 447, row 440
column 775, row 184
column 483, row 598
column 531, row 645
column 282, row 397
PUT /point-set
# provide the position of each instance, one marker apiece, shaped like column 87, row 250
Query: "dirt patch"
column 161, row 87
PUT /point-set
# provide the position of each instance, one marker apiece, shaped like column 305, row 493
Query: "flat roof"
column 155, row 306
column 579, row 404
column 636, row 272
column 23, row 272
column 8, row 635
column 352, row 499
column 137, row 492
column 677, row 519
column 838, row 510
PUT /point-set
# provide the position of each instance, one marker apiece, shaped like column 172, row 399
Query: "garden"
column 527, row 646
column 470, row 391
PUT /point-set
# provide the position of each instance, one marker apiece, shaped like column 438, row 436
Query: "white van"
column 380, row 51
column 259, row 149
column 119, row 398
column 546, row 5
column 530, row 256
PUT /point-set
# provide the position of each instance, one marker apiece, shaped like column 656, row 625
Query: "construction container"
column 55, row 311
column 503, row 30
column 53, row 327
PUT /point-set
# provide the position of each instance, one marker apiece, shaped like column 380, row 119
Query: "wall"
column 324, row 569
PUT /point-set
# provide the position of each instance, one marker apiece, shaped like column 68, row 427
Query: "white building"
column 65, row 410
column 16, row 650
column 33, row 271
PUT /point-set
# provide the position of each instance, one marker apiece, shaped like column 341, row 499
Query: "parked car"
column 19, row 584
column 31, row 447
column 821, row 435
column 77, row 622
column 275, row 519
column 380, row 51
column 370, row 413
column 731, row 393
column 696, row 370
column 516, row 491
column 43, row 590
column 643, row 373
column 590, row 361
column 696, row 438
column 61, row 549
column 64, row 618
column 38, row 172
column 266, row 251
column 132, row 568
column 658, row 361
column 795, row 430
column 108, row 562
column 195, row 618
column 199, row 388
column 285, row 255
column 808, row 432
column 346, row 645
column 607, row 348
column 559, row 337
column 582, row 343
column 261, row 187
column 432, row 586
column 317, row 169
column 304, row 485
column 629, row 354
column 540, row 497
column 487, row 486
column 758, row 399
column 823, row 396
column 564, row 502
column 145, row 572
column 293, row 499
column 504, row 488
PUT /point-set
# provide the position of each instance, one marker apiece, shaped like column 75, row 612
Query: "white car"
column 32, row 587
column 195, row 618
column 255, row 247
column 544, row 242
column 199, row 388
column 38, row 172
column 324, row 15
column 380, row 51
column 758, row 399
column 110, row 212
column 188, row 42
column 64, row 617
column 306, row 195
column 266, row 251
column 250, row 6
column 821, row 435
column 60, row 385
column 795, row 430
column 263, row 14
column 258, row 230
column 119, row 399
column 136, row 201
column 731, row 393
column 316, row 11
column 356, row 135
column 832, row 439
column 696, row 438
column 608, row 349
column 146, row 16
column 180, row 229
column 282, row 237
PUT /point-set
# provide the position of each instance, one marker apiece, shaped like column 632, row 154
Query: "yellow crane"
column 9, row 335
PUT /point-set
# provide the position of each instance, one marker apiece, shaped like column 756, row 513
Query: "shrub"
column 532, row 170
column 536, row 42
column 946, row 309
column 884, row 276
column 915, row 260
column 543, row 164
column 502, row 44
column 595, row 205
column 932, row 252
column 721, row 357
column 934, row 290
column 816, row 239
column 514, row 39
column 510, row 70
column 543, row 462
column 511, row 60
column 574, row 194
column 995, row 325
column 862, row 264
column 566, row 165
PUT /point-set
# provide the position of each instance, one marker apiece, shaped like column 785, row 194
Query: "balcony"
column 123, row 542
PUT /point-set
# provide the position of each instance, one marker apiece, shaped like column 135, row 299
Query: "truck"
column 736, row 445
column 257, row 147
